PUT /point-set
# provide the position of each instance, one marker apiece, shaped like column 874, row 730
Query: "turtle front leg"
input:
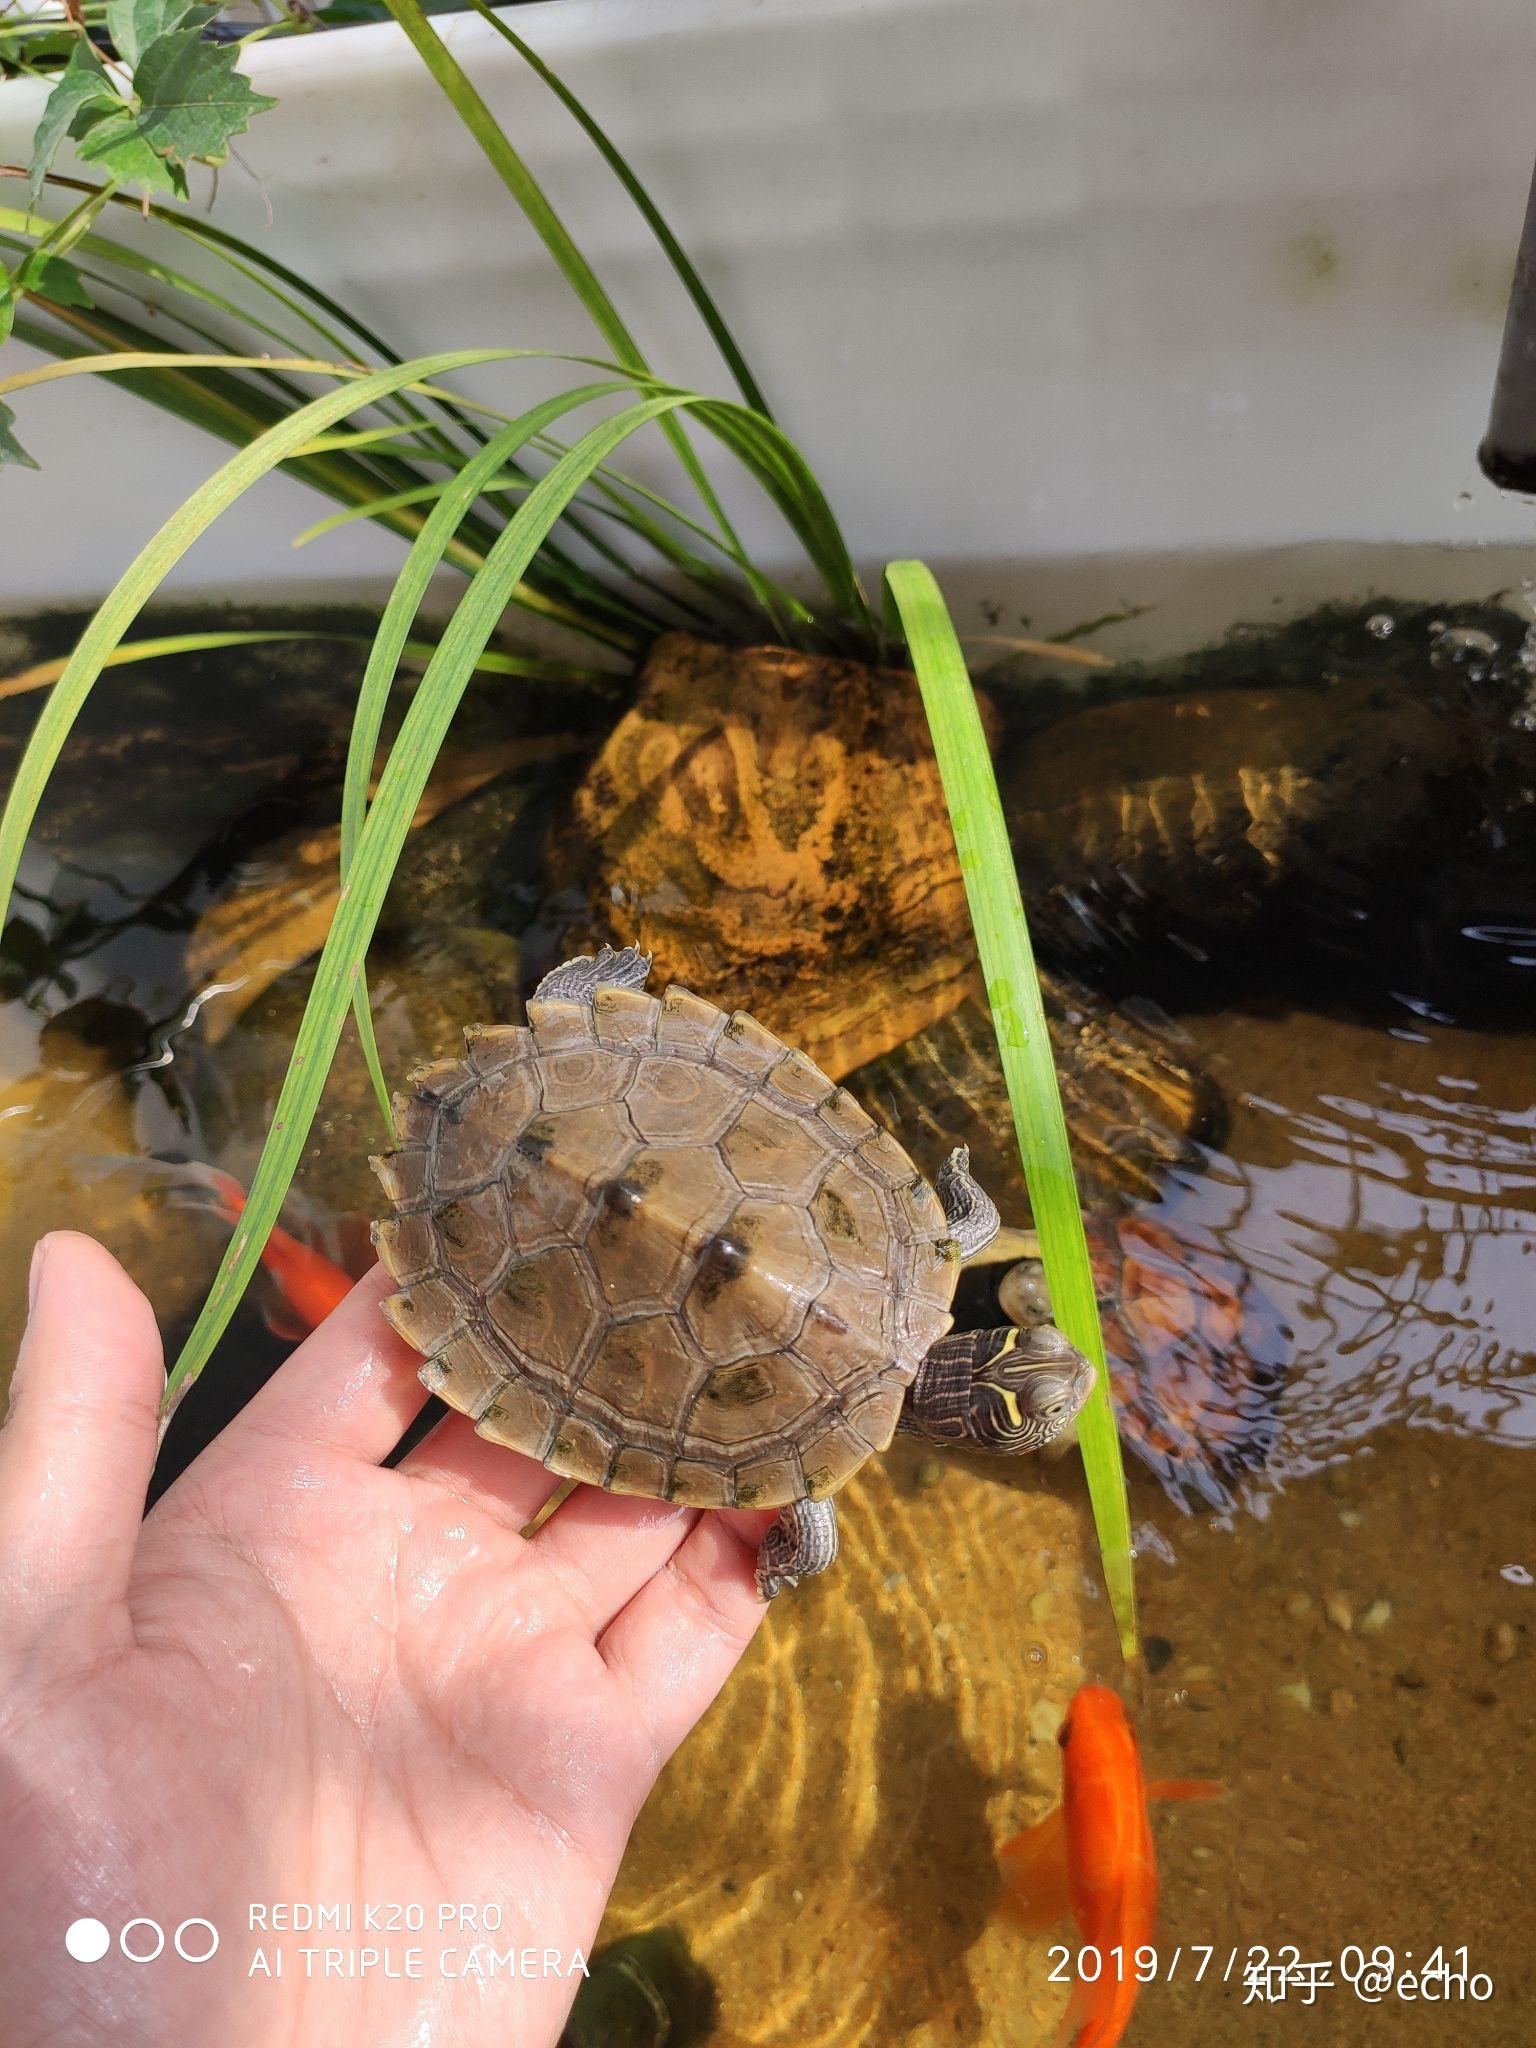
column 578, row 980
column 1004, row 1391
column 969, row 1209
column 802, row 1541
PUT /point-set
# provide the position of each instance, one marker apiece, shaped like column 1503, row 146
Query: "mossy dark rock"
column 643, row 1992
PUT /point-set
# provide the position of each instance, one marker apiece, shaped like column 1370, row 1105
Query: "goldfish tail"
column 1035, row 1878
column 187, row 1183
column 1077, row 2020
column 1186, row 1788
column 1099, row 2010
column 200, row 1186
column 281, row 1318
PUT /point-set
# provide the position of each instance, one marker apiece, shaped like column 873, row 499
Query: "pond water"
column 1346, row 1638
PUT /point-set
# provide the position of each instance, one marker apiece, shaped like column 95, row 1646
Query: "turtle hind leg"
column 578, row 980
column 1004, row 1391
column 803, row 1540
column 968, row 1208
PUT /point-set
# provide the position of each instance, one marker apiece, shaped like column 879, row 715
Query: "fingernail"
column 35, row 1271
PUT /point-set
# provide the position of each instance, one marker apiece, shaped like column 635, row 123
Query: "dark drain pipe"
column 1508, row 454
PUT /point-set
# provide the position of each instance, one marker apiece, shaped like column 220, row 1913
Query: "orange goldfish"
column 1092, row 1857
column 306, row 1284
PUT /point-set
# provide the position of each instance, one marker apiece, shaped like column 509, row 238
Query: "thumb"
column 78, row 1444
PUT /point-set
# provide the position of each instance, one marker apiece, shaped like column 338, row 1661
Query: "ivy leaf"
column 124, row 153
column 39, row 47
column 11, row 449
column 83, row 93
column 54, row 279
column 192, row 99
column 134, row 24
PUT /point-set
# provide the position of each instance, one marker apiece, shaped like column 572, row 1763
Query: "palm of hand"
column 313, row 1680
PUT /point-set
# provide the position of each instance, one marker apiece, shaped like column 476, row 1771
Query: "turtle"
column 1344, row 796
column 1196, row 1351
column 647, row 1243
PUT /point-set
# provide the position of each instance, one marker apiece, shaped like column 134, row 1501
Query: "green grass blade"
column 200, row 388
column 423, row 562
column 417, row 653
column 673, row 250
column 382, row 440
column 392, row 501
column 42, row 673
column 100, row 259
column 287, row 287
column 248, row 401
column 222, row 409
column 557, row 239
column 762, row 448
column 145, row 574
column 378, row 849
column 791, row 483
column 375, row 484
column 627, row 499
column 1013, row 991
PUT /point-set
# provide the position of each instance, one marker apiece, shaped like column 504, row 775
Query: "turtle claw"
column 578, row 980
column 969, row 1210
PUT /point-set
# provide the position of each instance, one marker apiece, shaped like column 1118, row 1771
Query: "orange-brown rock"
column 771, row 826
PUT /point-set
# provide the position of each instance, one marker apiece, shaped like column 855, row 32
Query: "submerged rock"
column 644, row 1992
column 771, row 826
column 170, row 757
column 1501, row 1643
column 423, row 996
column 280, row 912
column 74, row 1128
column 1178, row 821
column 1309, row 795
column 440, row 962
column 1136, row 1105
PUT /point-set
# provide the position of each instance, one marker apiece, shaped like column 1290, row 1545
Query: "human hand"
column 304, row 1678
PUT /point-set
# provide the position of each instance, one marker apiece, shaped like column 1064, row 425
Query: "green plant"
column 163, row 98
column 493, row 494
column 35, row 41
column 1023, row 1043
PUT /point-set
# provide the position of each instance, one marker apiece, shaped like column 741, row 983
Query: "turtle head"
column 1003, row 1391
column 1027, row 1386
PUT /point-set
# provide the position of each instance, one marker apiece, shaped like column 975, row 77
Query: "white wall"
column 1026, row 277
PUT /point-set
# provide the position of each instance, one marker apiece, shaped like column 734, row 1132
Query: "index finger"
column 350, row 1387
column 685, row 1631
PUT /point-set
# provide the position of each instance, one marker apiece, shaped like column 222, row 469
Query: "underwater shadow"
column 935, row 1845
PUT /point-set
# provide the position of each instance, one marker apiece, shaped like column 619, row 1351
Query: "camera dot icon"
column 140, row 1940
column 87, row 1940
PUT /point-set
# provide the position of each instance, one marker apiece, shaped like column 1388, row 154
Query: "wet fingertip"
column 748, row 1525
column 735, row 1534
column 35, row 1269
